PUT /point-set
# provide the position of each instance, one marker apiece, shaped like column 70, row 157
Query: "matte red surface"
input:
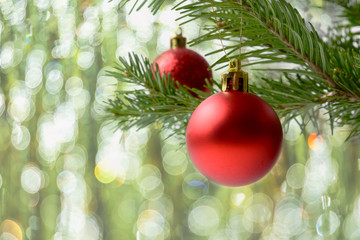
column 186, row 66
column 234, row 138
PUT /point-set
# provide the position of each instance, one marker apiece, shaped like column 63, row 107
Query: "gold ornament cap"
column 234, row 79
column 178, row 40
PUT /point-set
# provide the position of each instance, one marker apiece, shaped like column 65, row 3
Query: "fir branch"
column 326, row 78
column 159, row 100
column 283, row 32
column 303, row 57
column 298, row 99
column 312, row 64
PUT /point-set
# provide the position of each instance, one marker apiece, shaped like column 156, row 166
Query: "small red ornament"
column 186, row 66
column 234, row 137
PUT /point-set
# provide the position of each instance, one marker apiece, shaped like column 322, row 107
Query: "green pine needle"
column 153, row 98
column 326, row 76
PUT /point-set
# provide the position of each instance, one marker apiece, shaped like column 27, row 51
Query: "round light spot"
column 19, row 108
column 295, row 176
column 74, row 86
column 327, row 224
column 258, row 213
column 239, row 227
column 72, row 219
column 315, row 141
column 203, row 220
column 136, row 139
column 258, row 210
column 85, row 59
column 289, row 213
column 31, row 179
column 20, row 137
column 237, row 198
column 151, row 224
column 175, row 162
column 195, row 186
column 104, row 173
column 66, row 181
column 54, row 81
column 33, row 78
column 149, row 181
column 7, row 55
column 10, row 230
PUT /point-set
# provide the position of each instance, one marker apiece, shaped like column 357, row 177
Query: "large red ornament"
column 234, row 137
column 186, row 66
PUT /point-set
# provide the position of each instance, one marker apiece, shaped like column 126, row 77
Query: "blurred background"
column 67, row 173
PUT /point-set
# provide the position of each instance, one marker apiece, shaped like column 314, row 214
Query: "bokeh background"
column 67, row 173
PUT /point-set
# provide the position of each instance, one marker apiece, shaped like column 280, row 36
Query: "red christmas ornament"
column 234, row 137
column 186, row 66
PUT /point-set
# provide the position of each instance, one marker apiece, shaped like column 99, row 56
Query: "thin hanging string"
column 241, row 27
column 221, row 42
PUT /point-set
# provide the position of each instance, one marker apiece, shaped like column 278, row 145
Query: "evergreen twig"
column 326, row 76
column 152, row 98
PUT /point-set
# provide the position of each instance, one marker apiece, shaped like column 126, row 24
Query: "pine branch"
column 326, row 77
column 159, row 100
column 291, row 97
column 304, row 56
column 283, row 32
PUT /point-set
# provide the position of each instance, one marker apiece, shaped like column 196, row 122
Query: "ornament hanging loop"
column 234, row 79
column 178, row 40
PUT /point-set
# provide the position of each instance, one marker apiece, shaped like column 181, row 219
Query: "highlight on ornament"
column 186, row 66
column 234, row 137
